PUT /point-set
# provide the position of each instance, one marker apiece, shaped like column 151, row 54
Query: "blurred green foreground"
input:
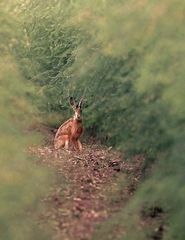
column 22, row 182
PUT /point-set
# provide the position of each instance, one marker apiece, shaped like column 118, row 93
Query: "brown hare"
column 70, row 131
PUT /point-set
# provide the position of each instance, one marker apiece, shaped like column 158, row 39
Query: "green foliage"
column 68, row 60
column 47, row 51
column 127, row 58
column 22, row 181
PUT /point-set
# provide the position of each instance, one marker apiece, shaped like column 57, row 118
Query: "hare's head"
column 77, row 108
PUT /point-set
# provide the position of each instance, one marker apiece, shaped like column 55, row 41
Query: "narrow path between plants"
column 90, row 187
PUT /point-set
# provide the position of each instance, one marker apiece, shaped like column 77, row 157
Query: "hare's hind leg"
column 58, row 144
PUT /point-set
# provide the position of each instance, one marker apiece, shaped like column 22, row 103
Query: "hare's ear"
column 80, row 102
column 72, row 103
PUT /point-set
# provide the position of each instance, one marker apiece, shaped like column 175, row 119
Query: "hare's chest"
column 76, row 130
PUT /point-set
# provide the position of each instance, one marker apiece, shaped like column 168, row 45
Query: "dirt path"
column 90, row 187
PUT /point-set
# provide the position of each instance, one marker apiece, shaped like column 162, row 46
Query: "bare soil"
column 90, row 187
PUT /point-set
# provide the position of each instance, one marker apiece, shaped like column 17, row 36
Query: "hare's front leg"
column 75, row 144
column 79, row 145
column 67, row 144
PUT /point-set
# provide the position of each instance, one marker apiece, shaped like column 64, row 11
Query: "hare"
column 70, row 131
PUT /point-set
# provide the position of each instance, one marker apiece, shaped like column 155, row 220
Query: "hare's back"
column 64, row 129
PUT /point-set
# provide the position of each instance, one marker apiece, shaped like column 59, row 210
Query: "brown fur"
column 70, row 131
